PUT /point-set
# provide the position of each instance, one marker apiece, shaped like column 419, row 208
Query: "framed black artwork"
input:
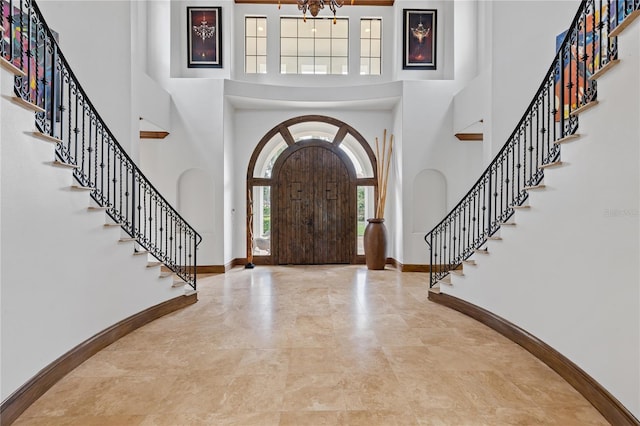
column 419, row 39
column 204, row 39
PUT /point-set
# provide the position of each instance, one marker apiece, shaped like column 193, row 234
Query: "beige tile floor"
column 322, row 345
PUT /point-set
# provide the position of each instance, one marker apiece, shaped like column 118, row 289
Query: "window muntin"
column 316, row 46
column 370, row 46
column 255, row 36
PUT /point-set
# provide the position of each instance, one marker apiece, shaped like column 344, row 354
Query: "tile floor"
column 322, row 345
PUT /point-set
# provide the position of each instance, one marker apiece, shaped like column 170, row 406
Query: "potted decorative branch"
column 375, row 234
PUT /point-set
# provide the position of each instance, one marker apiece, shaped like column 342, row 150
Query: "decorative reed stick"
column 383, row 166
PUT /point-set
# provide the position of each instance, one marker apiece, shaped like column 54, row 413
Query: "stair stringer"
column 63, row 275
column 568, row 273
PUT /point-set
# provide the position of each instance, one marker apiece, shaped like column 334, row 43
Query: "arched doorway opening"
column 311, row 184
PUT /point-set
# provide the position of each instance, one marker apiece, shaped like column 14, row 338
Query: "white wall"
column 523, row 41
column 178, row 34
column 96, row 39
column 429, row 143
column 64, row 276
column 568, row 271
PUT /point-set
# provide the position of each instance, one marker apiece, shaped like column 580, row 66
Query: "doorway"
column 314, row 205
column 311, row 181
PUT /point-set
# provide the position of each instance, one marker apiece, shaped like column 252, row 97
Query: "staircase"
column 544, row 248
column 569, row 89
column 66, row 118
column 90, row 249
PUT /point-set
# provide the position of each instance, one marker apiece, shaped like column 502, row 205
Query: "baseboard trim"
column 28, row 393
column 598, row 396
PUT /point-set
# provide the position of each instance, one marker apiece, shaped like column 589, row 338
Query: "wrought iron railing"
column 85, row 141
column 550, row 117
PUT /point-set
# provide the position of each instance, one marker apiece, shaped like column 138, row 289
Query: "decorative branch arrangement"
column 383, row 166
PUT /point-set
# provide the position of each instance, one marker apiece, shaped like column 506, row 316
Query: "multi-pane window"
column 370, row 49
column 317, row 46
column 255, row 38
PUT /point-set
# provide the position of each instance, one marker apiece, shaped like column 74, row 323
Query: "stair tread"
column 82, row 188
column 583, row 108
column 11, row 68
column 457, row 272
column 605, row 69
column 140, row 252
column 481, row 251
column 153, row 264
column 507, row 224
column 539, row 186
column 178, row 284
column 625, row 23
column 47, row 137
column 59, row 163
column 469, row 262
column 113, row 224
column 553, row 164
column 492, row 238
column 521, row 207
column 568, row 138
column 166, row 274
column 124, row 240
column 96, row 208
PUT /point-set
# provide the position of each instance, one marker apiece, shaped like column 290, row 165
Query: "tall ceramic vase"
column 375, row 244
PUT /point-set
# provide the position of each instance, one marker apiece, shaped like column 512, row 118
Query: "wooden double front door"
column 314, row 205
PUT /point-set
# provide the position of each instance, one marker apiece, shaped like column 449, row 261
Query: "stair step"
column 177, row 284
column 507, row 224
column 446, row 279
column 481, row 251
column 567, row 139
column 521, row 207
column 140, row 252
column 77, row 187
column 457, row 272
column 435, row 289
column 606, row 68
column 96, row 208
column 470, row 262
column 495, row 238
column 26, row 104
column 126, row 240
column 153, row 264
column 445, row 283
column 583, row 108
column 624, row 24
column 11, row 68
column 165, row 274
column 47, row 138
column 551, row 165
column 190, row 292
column 534, row 187
column 112, row 224
column 58, row 163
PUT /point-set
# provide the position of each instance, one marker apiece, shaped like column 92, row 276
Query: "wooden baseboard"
column 598, row 396
column 203, row 269
column 28, row 393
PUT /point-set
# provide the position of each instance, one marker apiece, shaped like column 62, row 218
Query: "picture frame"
column 204, row 37
column 419, row 39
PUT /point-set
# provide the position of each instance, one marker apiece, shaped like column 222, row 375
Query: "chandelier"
column 314, row 6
